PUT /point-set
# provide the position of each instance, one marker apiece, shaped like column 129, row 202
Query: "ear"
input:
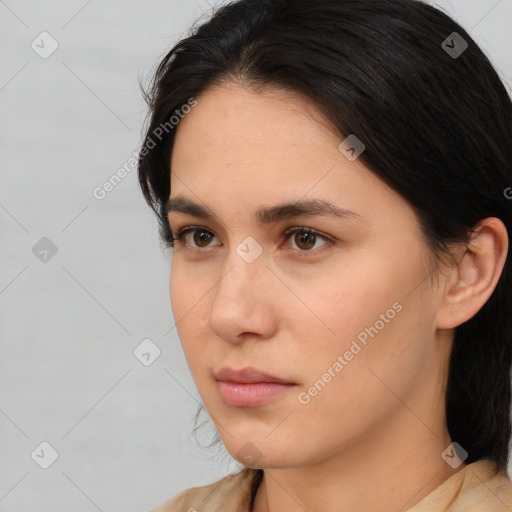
column 471, row 281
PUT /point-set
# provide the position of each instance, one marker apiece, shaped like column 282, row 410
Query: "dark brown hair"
column 436, row 122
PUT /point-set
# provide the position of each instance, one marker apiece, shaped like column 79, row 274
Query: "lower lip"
column 251, row 395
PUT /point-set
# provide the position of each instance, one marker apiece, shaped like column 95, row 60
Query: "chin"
column 260, row 455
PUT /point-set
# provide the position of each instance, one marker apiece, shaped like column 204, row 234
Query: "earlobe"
column 473, row 279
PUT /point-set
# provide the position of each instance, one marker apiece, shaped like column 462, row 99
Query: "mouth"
column 248, row 375
column 250, row 387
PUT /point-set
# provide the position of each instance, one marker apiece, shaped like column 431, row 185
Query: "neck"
column 373, row 476
column 392, row 465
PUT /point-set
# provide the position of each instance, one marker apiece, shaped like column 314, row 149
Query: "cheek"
column 354, row 383
column 188, row 290
column 176, row 290
column 354, row 297
column 383, row 324
column 188, row 303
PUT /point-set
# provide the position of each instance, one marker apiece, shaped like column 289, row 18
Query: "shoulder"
column 478, row 487
column 233, row 493
column 486, row 488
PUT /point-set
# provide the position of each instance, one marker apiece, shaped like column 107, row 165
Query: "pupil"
column 201, row 237
column 303, row 239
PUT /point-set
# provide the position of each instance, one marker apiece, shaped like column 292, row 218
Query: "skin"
column 372, row 439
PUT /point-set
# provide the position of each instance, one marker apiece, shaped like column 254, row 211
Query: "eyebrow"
column 268, row 214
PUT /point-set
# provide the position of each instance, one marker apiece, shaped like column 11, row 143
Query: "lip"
column 250, row 387
column 247, row 375
column 253, row 394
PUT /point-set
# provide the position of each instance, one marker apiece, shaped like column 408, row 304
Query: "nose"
column 243, row 304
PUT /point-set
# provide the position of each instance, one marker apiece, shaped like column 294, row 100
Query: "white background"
column 68, row 327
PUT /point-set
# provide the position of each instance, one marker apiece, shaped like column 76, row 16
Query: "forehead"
column 230, row 120
column 243, row 149
column 235, row 133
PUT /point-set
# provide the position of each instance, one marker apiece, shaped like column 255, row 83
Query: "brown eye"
column 202, row 238
column 304, row 240
column 195, row 238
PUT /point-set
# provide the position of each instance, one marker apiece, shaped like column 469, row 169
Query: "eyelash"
column 288, row 233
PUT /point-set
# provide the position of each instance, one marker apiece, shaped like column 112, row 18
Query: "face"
column 340, row 311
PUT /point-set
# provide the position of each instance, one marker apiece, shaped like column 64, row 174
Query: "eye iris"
column 201, row 237
column 308, row 239
column 303, row 239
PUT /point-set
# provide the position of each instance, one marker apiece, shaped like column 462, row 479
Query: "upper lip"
column 247, row 375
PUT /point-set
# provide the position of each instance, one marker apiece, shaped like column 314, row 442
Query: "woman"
column 332, row 177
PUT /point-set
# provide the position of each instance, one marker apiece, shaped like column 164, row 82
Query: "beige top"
column 475, row 488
